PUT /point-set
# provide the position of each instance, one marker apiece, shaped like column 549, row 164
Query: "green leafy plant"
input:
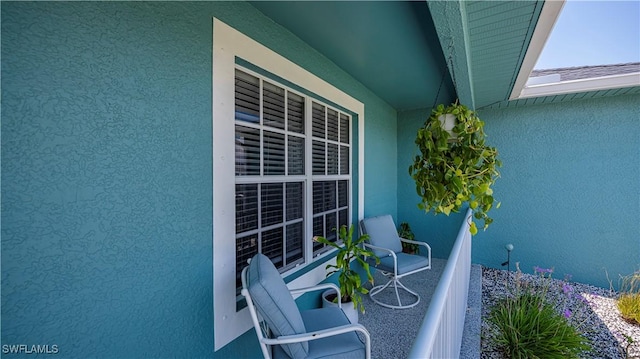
column 404, row 231
column 453, row 170
column 629, row 299
column 530, row 327
column 349, row 280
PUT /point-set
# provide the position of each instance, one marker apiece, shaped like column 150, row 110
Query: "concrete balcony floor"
column 393, row 331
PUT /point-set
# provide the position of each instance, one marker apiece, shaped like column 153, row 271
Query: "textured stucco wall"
column 106, row 172
column 570, row 188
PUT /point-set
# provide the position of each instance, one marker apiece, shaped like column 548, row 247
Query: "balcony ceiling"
column 390, row 47
column 398, row 49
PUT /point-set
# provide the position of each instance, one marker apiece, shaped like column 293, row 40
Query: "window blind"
column 271, row 125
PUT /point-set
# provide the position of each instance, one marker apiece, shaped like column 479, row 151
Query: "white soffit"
column 582, row 85
column 548, row 17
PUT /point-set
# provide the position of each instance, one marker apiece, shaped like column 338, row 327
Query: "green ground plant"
column 349, row 249
column 404, row 231
column 528, row 326
column 629, row 299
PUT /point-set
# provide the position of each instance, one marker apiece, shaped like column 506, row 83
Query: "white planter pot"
column 447, row 122
column 347, row 308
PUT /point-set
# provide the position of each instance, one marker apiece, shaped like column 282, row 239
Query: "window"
column 330, row 149
column 271, row 174
column 287, row 158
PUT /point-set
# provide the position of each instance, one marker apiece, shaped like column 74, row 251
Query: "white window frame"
column 228, row 44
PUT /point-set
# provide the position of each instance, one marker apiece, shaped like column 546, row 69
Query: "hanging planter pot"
column 448, row 122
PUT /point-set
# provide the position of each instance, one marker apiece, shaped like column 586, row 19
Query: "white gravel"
column 593, row 312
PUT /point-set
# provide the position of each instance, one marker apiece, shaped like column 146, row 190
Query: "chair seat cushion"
column 406, row 263
column 343, row 346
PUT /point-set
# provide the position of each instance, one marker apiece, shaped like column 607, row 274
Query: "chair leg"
column 396, row 283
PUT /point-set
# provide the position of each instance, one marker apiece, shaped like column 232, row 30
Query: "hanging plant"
column 455, row 168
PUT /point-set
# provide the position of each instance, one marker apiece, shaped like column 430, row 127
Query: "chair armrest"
column 315, row 287
column 415, row 242
column 391, row 253
column 420, row 244
column 297, row 338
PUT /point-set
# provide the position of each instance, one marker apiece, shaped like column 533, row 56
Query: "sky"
column 593, row 33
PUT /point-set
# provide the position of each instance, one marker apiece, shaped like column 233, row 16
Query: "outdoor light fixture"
column 509, row 248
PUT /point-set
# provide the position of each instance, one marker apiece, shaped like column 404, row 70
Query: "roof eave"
column 450, row 22
column 548, row 17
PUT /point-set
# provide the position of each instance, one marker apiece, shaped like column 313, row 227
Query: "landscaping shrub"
column 529, row 327
column 629, row 299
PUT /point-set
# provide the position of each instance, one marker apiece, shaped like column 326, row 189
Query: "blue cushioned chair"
column 387, row 245
column 315, row 333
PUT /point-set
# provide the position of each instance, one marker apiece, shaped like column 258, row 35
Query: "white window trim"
column 227, row 44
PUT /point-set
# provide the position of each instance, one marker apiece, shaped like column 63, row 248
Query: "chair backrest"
column 382, row 233
column 275, row 304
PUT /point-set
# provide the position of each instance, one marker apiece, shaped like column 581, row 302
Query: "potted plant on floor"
column 349, row 281
column 457, row 167
column 404, row 231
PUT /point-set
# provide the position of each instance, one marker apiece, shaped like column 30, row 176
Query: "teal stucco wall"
column 569, row 187
column 106, row 172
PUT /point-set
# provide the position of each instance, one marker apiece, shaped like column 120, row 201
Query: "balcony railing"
column 440, row 335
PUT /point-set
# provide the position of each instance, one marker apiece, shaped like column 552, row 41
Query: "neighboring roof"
column 585, row 72
column 582, row 79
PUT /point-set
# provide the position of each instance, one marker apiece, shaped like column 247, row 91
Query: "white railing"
column 440, row 335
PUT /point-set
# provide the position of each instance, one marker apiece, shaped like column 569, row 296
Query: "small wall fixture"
column 509, row 248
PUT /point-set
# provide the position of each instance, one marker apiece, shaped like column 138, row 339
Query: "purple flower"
column 566, row 288
column 567, row 277
column 542, row 270
column 618, row 335
column 567, row 313
column 583, row 299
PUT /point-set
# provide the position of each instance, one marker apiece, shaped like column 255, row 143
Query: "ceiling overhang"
column 493, row 38
column 391, row 47
column 415, row 54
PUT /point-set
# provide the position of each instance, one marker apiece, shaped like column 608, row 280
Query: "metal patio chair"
column 285, row 332
column 394, row 264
